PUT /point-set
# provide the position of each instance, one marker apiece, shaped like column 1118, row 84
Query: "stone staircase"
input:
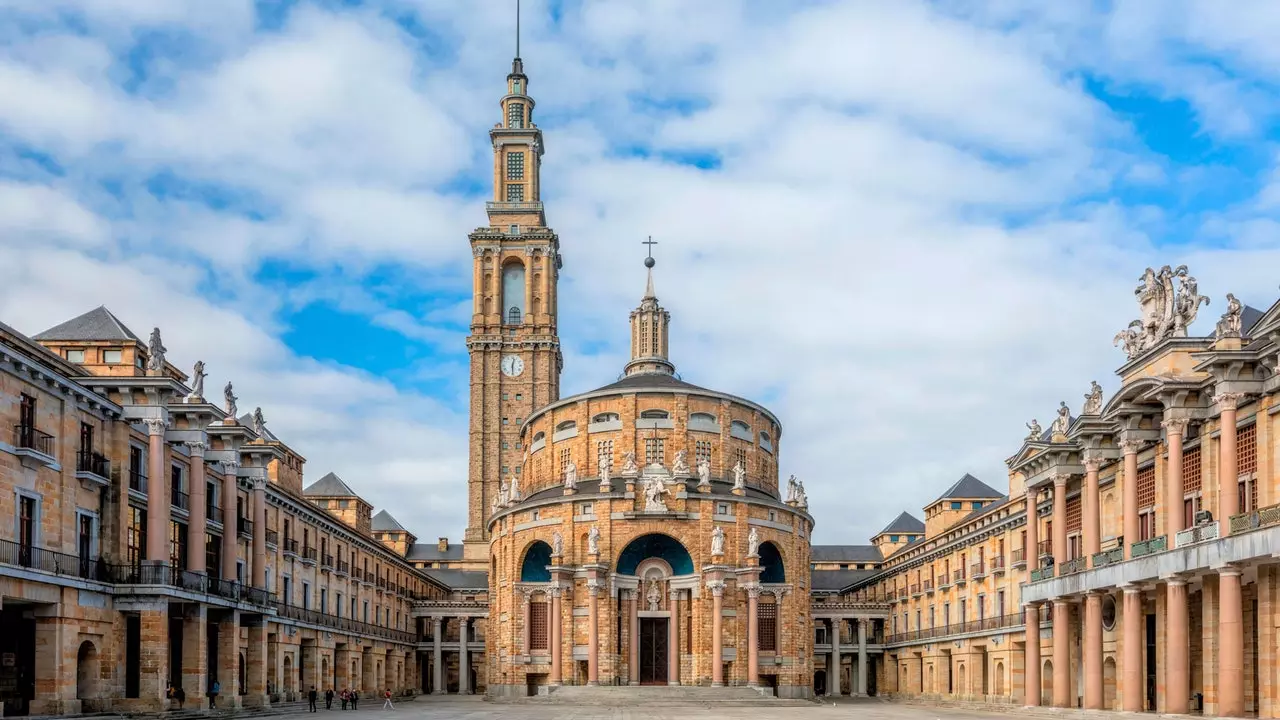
column 659, row 696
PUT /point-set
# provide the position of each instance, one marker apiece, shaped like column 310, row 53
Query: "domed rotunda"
column 646, row 539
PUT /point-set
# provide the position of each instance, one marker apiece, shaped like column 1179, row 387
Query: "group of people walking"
column 350, row 699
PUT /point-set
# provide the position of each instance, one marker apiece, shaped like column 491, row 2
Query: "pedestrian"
column 181, row 696
column 355, row 699
column 168, row 692
column 328, row 699
column 387, row 704
column 311, row 699
column 213, row 694
column 343, row 697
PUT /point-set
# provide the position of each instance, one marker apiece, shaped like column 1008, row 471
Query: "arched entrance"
column 999, row 678
column 1046, row 684
column 88, row 671
column 962, row 686
column 655, row 560
column 820, row 682
column 1109, row 684
column 288, row 673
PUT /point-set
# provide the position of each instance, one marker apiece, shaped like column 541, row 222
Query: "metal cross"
column 650, row 242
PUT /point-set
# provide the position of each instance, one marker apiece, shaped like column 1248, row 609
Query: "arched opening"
column 324, row 670
column 87, row 671
column 288, row 673
column 1109, row 684
column 933, row 681
column 513, row 293
column 534, row 566
column 240, row 676
column 771, row 564
column 1046, row 684
column 659, row 546
column 820, row 682
column 999, row 678
column 655, row 414
column 961, row 677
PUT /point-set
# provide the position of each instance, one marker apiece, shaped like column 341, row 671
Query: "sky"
column 907, row 228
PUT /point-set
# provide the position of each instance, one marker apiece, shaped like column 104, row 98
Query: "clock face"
column 512, row 365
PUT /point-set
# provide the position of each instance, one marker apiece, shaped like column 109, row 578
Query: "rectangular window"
column 137, row 469
column 1146, row 480
column 136, row 537
column 515, row 192
column 111, row 357
column 306, row 595
column 213, row 554
column 177, row 544
column 702, row 453
column 604, row 455
column 588, row 509
column 337, row 605
column 722, row 509
column 767, row 615
column 1146, row 525
column 324, row 600
column 287, row 596
column 963, row 611
column 538, row 626
column 1000, row 602
column 515, row 166
column 75, row 356
column 28, row 521
column 566, row 455
column 957, row 505
column 515, row 115
column 654, row 451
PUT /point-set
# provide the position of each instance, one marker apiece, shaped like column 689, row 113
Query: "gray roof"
column 970, row 487
column 246, row 420
column 329, row 486
column 97, row 324
column 1249, row 316
column 431, row 551
column 837, row 580
column 652, row 380
column 459, row 579
column 904, row 523
column 383, row 522
column 845, row 553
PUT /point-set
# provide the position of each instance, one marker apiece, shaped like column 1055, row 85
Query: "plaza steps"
column 658, row 696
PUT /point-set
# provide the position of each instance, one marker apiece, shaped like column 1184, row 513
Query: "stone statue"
column 515, row 488
column 653, row 594
column 1063, row 421
column 593, row 541
column 259, row 423
column 704, row 474
column 557, row 544
column 1035, row 431
column 495, row 504
column 629, row 467
column 654, row 489
column 753, row 544
column 155, row 352
column 1231, row 322
column 229, row 401
column 681, row 464
column 504, row 495
column 793, row 490
column 739, row 476
column 802, row 498
column 197, row 381
column 717, row 542
column 570, row 476
column 1165, row 312
column 1092, row 399
column 606, row 479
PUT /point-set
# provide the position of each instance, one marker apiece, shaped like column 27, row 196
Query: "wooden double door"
column 653, row 651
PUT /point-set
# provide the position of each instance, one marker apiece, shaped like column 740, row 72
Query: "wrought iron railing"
column 1260, row 518
column 928, row 586
column 309, row 553
column 344, row 567
column 290, row 546
column 314, row 617
column 1016, row 557
column 958, row 577
column 179, row 499
column 1045, row 548
column 977, row 570
column 1197, row 534
column 1107, row 557
column 28, row 437
column 997, row 564
column 214, row 513
column 92, row 462
column 51, row 561
column 1073, row 566
column 137, row 480
column 326, row 561
column 998, row 622
column 1149, row 547
column 944, row 580
column 273, row 537
column 244, row 526
column 195, row 582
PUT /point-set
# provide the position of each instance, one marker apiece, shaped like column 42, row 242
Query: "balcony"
column 326, row 562
column 1073, row 566
column 513, row 207
column 1108, row 557
column 977, row 571
column 1149, row 547
column 997, row 565
column 1197, row 534
column 179, row 499
column 28, row 442
column 944, row 581
column 957, row 578
column 928, row 586
column 313, row 617
column 915, row 590
column 344, row 567
column 273, row 538
column 1263, row 517
column 137, row 481
column 999, row 622
column 290, row 547
column 1017, row 559
column 34, row 558
column 93, row 467
column 191, row 582
column 244, row 526
column 214, row 513
column 1045, row 549
column 309, row 555
column 1043, row 573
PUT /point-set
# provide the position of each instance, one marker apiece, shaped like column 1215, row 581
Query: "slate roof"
column 1249, row 316
column 97, row 324
column 329, row 486
column 837, row 580
column 904, row 523
column 845, row 553
column 431, row 551
column 383, row 522
column 652, row 380
column 460, row 579
column 970, row 487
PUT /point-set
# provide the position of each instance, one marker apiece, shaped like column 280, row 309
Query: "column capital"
column 259, row 484
column 1131, row 446
column 1176, row 580
column 1230, row 571
column 555, row 590
column 196, row 449
column 1176, row 426
column 230, row 467
column 1060, row 480
column 753, row 590
column 156, row 426
column 1133, row 588
column 594, row 586
column 673, row 594
column 716, row 587
column 1228, row 400
column 1092, row 460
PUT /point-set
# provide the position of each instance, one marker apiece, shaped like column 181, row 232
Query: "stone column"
column 833, row 670
column 230, row 545
column 195, row 654
column 862, row 656
column 1062, row 687
column 342, row 668
column 1031, row 673
column 1131, row 667
column 1130, row 503
column 1092, row 650
column 526, row 642
column 556, row 651
column 255, row 665
column 1174, row 430
column 229, row 660
column 1091, row 523
column 673, row 640
column 464, row 656
column 196, row 525
column 634, row 649
column 1228, row 470
column 593, row 631
column 56, row 647
column 437, row 655
column 259, row 577
column 1230, row 637
column 157, row 500
column 1060, row 522
column 753, row 635
column 1177, row 672
column 1033, row 535
column 717, row 632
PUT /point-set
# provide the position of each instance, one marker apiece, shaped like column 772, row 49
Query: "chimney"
column 442, row 544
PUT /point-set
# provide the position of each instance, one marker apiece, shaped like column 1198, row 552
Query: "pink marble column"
column 717, row 632
column 1062, row 687
column 1130, row 503
column 196, row 524
column 635, row 637
column 1060, row 521
column 1174, row 430
column 673, row 640
column 1033, row 535
column 753, row 635
column 1230, row 642
column 1091, row 523
column 1132, row 687
column 1178, row 664
column 1031, row 671
column 1228, row 470
column 157, row 500
column 259, row 577
column 1092, row 651
column 230, row 545
column 593, row 631
column 556, row 651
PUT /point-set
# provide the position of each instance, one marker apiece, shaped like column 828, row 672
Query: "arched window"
column 765, row 442
column 771, row 561
column 566, row 425
column 657, row 414
column 740, row 430
column 705, row 422
column 513, row 292
column 605, row 417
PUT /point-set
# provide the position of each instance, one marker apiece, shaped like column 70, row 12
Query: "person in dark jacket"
column 355, row 699
column 311, row 699
column 328, row 699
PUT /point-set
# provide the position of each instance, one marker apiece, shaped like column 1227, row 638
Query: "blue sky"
column 906, row 227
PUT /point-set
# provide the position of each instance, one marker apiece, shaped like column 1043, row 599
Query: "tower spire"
column 649, row 324
column 517, row 29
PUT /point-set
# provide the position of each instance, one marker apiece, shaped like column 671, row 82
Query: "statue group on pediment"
column 796, row 493
column 1166, row 311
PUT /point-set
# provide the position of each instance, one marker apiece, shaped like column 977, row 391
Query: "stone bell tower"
column 514, row 346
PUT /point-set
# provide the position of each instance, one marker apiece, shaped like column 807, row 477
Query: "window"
column 722, row 508
column 957, row 505
column 588, row 509
column 654, row 451
column 538, row 626
column 773, row 516
column 604, row 455
column 505, row 421
column 337, row 605
column 324, row 600
column 766, row 442
column 606, row 417
column 566, row 456
column 740, row 430
column 513, row 292
column 963, row 611
column 515, row 193
column 893, row 538
column 999, row 602
column 28, row 522
column 513, row 229
column 535, row 516
column 366, row 611
column 767, row 617
column 87, row 540
column 75, row 356
column 705, row 422
column 740, row 457
column 112, row 357
column 654, row 414
column 566, row 425
column 306, row 595
column 702, row 453
column 515, row 166
column 136, row 537
column 977, row 505
column 177, row 544
column 515, row 115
